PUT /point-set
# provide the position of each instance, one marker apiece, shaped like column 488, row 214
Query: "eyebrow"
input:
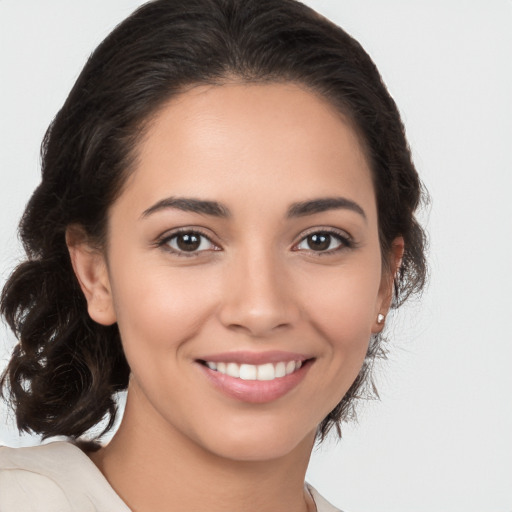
column 188, row 204
column 324, row 204
column 216, row 209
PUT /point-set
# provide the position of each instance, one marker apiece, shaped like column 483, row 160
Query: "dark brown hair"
column 65, row 370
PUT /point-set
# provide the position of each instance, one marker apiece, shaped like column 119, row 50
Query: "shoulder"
column 55, row 476
column 322, row 505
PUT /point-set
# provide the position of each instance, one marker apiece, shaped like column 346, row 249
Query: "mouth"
column 249, row 378
column 261, row 372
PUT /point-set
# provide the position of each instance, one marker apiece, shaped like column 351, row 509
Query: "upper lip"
column 255, row 358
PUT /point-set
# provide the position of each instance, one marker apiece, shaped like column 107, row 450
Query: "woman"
column 225, row 218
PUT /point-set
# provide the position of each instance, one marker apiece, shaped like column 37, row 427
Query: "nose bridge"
column 257, row 296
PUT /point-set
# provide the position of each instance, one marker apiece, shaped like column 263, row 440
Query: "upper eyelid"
column 332, row 231
column 169, row 235
column 178, row 231
column 346, row 240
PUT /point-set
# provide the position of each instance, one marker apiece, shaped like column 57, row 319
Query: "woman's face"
column 244, row 268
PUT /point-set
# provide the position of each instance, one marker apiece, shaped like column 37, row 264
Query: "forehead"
column 241, row 140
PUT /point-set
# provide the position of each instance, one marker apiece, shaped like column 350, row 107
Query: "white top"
column 59, row 477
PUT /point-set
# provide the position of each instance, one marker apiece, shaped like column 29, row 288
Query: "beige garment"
column 59, row 477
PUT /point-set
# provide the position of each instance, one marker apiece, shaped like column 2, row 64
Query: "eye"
column 190, row 242
column 324, row 241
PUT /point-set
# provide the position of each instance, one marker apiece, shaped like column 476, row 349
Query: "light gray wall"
column 440, row 437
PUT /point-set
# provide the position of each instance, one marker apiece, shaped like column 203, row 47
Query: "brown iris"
column 319, row 241
column 188, row 241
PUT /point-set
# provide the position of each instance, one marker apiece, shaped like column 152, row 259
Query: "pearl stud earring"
column 380, row 318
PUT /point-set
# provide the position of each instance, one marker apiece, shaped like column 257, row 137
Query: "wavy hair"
column 66, row 369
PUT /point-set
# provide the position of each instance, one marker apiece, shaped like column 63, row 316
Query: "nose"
column 258, row 296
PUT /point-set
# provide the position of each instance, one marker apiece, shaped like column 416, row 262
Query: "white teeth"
column 248, row 372
column 233, row 370
column 281, row 369
column 267, row 371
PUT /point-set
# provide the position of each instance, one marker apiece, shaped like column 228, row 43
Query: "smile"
column 262, row 372
column 255, row 378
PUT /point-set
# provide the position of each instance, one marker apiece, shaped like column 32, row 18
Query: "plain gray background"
column 440, row 438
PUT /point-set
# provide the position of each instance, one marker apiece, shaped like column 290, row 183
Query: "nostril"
column 258, row 327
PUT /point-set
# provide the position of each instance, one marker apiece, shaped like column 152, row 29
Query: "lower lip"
column 256, row 391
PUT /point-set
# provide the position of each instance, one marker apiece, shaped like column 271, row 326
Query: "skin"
column 256, row 285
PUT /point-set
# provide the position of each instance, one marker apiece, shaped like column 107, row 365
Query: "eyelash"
column 166, row 239
column 345, row 242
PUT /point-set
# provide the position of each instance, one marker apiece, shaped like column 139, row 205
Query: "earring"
column 380, row 318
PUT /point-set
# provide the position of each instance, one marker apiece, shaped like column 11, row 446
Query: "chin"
column 259, row 443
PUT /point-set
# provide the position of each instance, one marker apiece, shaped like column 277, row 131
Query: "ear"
column 92, row 274
column 387, row 283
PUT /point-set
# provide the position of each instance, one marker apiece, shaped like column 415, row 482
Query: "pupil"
column 188, row 242
column 319, row 241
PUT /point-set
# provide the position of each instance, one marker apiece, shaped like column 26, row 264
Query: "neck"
column 163, row 469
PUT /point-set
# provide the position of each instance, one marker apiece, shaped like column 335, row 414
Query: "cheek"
column 343, row 303
column 342, row 311
column 159, row 309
